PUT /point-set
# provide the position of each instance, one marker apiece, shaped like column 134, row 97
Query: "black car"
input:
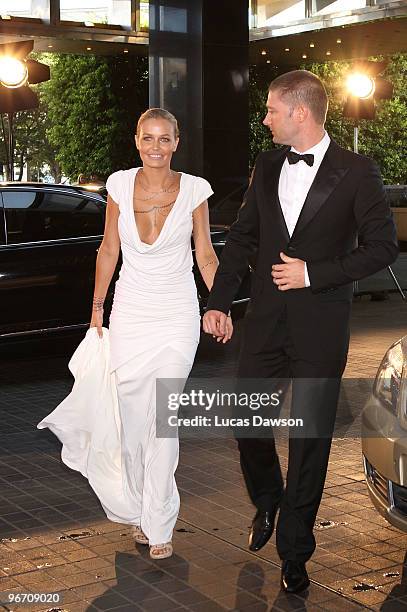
column 49, row 236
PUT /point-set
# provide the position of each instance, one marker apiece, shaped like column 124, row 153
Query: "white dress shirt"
column 294, row 184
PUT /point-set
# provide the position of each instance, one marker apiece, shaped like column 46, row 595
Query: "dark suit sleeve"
column 241, row 242
column 377, row 239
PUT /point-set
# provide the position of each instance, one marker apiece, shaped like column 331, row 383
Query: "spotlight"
column 365, row 86
column 360, row 85
column 13, row 72
column 17, row 73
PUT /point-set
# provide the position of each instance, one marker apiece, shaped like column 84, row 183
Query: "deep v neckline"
column 147, row 244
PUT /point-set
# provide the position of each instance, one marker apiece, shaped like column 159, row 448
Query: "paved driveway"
column 55, row 537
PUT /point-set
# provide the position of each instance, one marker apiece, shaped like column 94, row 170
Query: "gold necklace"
column 153, row 196
column 156, row 209
column 156, row 193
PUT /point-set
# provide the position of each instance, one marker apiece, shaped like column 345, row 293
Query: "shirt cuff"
column 306, row 277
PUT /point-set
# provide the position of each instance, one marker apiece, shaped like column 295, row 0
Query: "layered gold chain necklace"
column 160, row 209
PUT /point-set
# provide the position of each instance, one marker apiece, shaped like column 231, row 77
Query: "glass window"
column 25, row 8
column 173, row 19
column 173, row 73
column 324, row 7
column 279, row 12
column 116, row 12
column 144, row 15
column 252, row 14
column 35, row 215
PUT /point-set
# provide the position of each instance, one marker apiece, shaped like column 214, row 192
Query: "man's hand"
column 218, row 324
column 290, row 274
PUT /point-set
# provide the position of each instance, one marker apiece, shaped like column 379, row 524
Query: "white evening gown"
column 153, row 333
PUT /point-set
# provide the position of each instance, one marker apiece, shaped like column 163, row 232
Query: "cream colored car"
column 384, row 437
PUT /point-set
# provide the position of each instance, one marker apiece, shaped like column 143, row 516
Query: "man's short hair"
column 302, row 87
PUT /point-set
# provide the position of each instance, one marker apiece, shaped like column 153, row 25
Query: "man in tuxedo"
column 316, row 217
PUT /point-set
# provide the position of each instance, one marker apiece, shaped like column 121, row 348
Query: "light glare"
column 13, row 72
column 360, row 85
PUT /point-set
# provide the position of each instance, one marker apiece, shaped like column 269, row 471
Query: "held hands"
column 218, row 324
column 290, row 274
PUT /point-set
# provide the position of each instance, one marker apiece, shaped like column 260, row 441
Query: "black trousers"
column 315, row 391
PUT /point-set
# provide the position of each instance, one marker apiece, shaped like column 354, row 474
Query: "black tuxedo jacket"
column 345, row 232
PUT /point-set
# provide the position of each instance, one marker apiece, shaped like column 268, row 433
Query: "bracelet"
column 98, row 304
column 208, row 264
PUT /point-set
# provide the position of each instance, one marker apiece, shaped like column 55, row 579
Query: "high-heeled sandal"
column 161, row 551
column 139, row 535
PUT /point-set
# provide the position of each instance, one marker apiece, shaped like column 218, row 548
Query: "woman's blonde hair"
column 158, row 113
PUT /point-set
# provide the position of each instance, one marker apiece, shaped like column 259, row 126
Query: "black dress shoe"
column 294, row 577
column 262, row 528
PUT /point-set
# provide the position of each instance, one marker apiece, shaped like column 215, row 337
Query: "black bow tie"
column 294, row 158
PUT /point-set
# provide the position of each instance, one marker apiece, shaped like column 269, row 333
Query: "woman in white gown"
column 154, row 325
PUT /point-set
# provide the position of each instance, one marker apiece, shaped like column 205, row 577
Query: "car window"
column 397, row 195
column 38, row 215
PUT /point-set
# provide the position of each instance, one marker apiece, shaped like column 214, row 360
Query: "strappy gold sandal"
column 139, row 535
column 161, row 551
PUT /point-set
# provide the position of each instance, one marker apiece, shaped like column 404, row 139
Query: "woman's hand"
column 97, row 315
column 97, row 321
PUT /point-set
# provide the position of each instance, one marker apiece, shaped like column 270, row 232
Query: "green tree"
column 259, row 136
column 32, row 149
column 382, row 139
column 93, row 104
